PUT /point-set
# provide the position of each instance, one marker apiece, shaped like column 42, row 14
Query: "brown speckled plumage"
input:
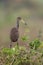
column 14, row 35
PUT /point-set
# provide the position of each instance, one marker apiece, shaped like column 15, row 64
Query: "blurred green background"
column 30, row 10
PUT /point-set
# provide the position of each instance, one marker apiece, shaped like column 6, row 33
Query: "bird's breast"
column 14, row 35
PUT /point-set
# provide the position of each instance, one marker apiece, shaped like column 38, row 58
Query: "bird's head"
column 21, row 20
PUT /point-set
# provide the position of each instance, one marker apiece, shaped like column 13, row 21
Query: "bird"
column 14, row 33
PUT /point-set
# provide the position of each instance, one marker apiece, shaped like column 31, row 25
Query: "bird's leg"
column 10, row 44
column 17, row 45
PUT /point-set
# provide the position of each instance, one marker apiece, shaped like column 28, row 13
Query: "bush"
column 35, row 44
column 20, row 56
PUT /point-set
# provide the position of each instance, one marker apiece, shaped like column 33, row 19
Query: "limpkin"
column 14, row 34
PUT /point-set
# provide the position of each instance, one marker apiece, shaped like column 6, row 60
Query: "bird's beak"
column 23, row 22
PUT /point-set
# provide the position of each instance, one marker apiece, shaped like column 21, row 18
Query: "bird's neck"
column 18, row 24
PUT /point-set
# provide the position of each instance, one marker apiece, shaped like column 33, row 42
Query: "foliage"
column 21, row 56
column 24, row 38
column 35, row 44
column 41, row 46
